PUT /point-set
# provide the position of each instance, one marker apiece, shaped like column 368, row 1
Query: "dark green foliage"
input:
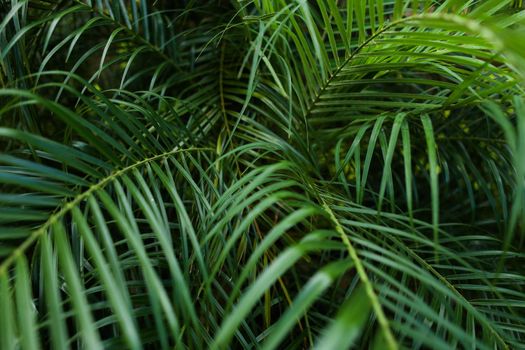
column 262, row 174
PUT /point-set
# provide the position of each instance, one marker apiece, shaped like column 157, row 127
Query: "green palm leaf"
column 261, row 174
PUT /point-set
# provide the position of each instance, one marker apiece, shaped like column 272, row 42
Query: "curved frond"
column 262, row 174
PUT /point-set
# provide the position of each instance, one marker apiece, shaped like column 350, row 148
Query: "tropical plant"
column 262, row 174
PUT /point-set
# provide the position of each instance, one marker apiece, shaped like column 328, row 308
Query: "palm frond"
column 273, row 174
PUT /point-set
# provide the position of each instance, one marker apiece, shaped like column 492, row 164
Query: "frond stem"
column 376, row 305
column 79, row 198
column 347, row 60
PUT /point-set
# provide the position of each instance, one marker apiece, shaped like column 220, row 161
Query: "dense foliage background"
column 267, row 173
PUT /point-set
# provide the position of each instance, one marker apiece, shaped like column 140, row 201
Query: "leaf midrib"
column 66, row 207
